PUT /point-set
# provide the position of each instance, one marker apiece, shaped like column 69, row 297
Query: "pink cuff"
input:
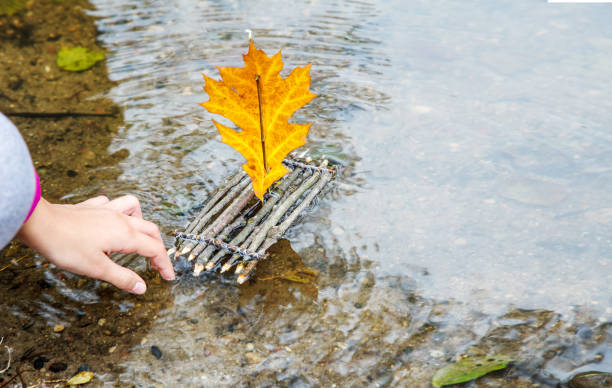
column 36, row 197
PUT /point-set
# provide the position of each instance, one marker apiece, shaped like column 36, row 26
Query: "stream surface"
column 473, row 216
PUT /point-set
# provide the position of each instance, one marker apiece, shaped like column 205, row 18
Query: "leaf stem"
column 261, row 124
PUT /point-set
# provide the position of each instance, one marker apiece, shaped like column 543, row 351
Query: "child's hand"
column 78, row 238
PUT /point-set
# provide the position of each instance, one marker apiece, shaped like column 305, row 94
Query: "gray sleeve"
column 17, row 181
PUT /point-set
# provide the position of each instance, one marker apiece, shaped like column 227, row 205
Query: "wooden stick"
column 253, row 222
column 228, row 215
column 294, row 163
column 53, row 115
column 219, row 244
column 214, row 198
column 282, row 228
column 235, row 258
column 271, row 222
column 221, row 223
column 281, row 209
column 203, row 258
column 202, row 222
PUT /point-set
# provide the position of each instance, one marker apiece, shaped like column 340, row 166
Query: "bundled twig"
column 275, row 233
column 222, row 221
column 216, row 196
column 207, row 237
column 203, row 220
column 244, row 234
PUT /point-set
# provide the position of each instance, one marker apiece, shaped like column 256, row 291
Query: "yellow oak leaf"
column 239, row 98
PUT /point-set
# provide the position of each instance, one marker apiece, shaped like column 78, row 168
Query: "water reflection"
column 474, row 209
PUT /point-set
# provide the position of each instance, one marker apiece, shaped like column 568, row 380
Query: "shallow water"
column 473, row 216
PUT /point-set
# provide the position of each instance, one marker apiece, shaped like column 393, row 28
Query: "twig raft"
column 225, row 233
column 223, row 201
column 245, row 233
column 277, row 232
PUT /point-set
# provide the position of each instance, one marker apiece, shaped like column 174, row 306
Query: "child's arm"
column 77, row 238
column 18, row 182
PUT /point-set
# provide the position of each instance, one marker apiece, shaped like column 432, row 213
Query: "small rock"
column 155, row 351
column 101, row 322
column 88, row 154
column 253, row 358
column 112, row 348
column 591, row 380
column 368, row 280
column 44, row 284
column 193, row 321
column 250, row 347
column 58, row 328
column 338, row 231
column 15, row 82
column 584, row 333
column 436, row 353
column 39, row 362
column 58, row 367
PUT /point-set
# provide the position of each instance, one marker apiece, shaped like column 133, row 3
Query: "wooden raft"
column 234, row 229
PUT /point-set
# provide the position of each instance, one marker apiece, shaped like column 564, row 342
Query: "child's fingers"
column 127, row 204
column 121, row 277
column 98, row 201
column 146, row 227
column 147, row 246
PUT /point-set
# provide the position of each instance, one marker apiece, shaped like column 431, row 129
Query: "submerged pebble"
column 155, row 351
column 58, row 367
column 253, row 358
column 39, row 362
column 591, row 380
